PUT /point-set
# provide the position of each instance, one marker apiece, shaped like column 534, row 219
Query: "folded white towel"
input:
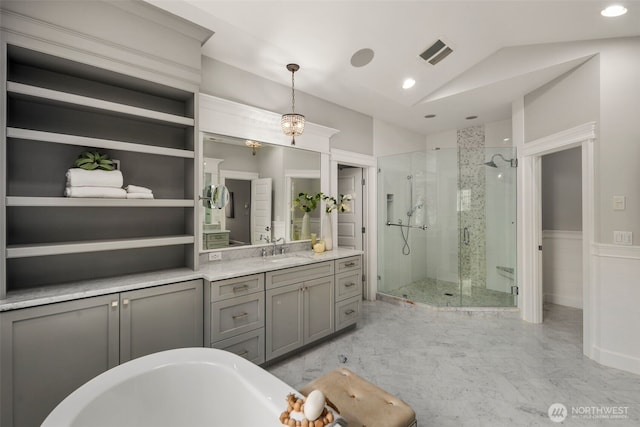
column 77, row 177
column 99, row 192
column 139, row 196
column 136, row 189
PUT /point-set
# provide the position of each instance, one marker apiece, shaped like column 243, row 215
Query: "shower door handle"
column 465, row 236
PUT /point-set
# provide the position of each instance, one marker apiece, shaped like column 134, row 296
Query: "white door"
column 350, row 223
column 260, row 209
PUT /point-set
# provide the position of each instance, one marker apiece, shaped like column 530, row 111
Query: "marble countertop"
column 211, row 271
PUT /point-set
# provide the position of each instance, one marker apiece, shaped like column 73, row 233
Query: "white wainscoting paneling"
column 617, row 298
column 562, row 267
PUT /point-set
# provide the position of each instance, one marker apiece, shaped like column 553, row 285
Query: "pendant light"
column 292, row 123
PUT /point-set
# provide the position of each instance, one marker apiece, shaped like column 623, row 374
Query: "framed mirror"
column 261, row 182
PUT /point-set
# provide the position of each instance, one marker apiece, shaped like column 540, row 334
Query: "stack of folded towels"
column 102, row 184
column 136, row 192
column 95, row 183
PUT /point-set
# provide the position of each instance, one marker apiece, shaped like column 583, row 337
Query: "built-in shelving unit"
column 35, row 250
column 83, row 141
column 56, row 109
column 90, row 202
column 44, row 95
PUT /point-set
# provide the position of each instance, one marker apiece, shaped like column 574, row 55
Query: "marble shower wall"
column 472, row 196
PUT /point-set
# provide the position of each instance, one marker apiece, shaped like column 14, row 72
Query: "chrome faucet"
column 275, row 242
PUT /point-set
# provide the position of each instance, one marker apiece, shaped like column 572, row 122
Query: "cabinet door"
column 47, row 352
column 161, row 318
column 284, row 320
column 318, row 308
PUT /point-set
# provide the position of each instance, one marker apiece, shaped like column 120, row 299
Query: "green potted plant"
column 89, row 160
column 330, row 205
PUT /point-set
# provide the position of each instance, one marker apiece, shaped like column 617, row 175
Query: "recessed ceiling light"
column 613, row 11
column 507, row 139
column 429, row 116
column 408, row 83
column 471, row 117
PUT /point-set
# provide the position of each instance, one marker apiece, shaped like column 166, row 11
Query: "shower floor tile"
column 447, row 294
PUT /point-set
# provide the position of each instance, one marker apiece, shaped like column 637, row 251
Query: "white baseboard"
column 567, row 301
column 617, row 360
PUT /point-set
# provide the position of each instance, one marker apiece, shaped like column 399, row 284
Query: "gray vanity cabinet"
column 348, row 291
column 49, row 351
column 234, row 316
column 299, row 307
column 161, row 318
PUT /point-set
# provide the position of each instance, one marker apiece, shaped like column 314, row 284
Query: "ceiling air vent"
column 436, row 52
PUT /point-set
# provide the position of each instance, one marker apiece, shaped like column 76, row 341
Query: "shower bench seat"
column 361, row 403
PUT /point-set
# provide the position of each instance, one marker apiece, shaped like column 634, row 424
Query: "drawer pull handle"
column 243, row 353
column 239, row 316
column 350, row 264
column 114, row 304
column 125, row 302
column 349, row 312
column 240, row 288
column 348, row 285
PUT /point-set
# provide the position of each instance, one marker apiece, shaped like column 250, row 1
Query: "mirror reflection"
column 262, row 183
column 215, row 196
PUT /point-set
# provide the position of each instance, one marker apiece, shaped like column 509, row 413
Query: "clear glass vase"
column 327, row 232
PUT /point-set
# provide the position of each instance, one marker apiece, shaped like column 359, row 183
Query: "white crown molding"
column 350, row 158
column 151, row 12
column 225, row 117
column 560, row 141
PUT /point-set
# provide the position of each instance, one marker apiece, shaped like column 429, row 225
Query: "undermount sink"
column 287, row 258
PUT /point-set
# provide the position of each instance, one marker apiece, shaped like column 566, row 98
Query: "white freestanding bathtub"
column 189, row 387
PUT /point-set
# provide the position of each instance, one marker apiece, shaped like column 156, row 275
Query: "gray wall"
column 562, row 190
column 605, row 89
column 225, row 81
column 567, row 101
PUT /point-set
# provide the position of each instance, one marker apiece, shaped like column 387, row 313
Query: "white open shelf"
column 96, row 104
column 46, row 249
column 97, row 202
column 83, row 141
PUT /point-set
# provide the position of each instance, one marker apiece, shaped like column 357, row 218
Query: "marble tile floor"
column 447, row 294
column 459, row 370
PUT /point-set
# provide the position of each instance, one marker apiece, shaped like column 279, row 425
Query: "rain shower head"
column 492, row 164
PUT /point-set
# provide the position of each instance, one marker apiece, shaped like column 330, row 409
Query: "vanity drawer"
column 348, row 285
column 303, row 273
column 347, row 312
column 348, row 264
column 249, row 345
column 238, row 286
column 236, row 316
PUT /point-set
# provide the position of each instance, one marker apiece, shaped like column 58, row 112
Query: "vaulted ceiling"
column 501, row 50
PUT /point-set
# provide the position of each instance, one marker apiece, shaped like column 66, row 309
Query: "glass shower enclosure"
column 447, row 227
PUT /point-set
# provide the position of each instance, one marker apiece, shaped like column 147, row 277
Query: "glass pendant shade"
column 292, row 123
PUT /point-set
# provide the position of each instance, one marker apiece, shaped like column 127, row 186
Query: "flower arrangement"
column 342, row 204
column 307, row 202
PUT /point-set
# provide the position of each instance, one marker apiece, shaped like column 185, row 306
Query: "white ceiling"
column 501, row 50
